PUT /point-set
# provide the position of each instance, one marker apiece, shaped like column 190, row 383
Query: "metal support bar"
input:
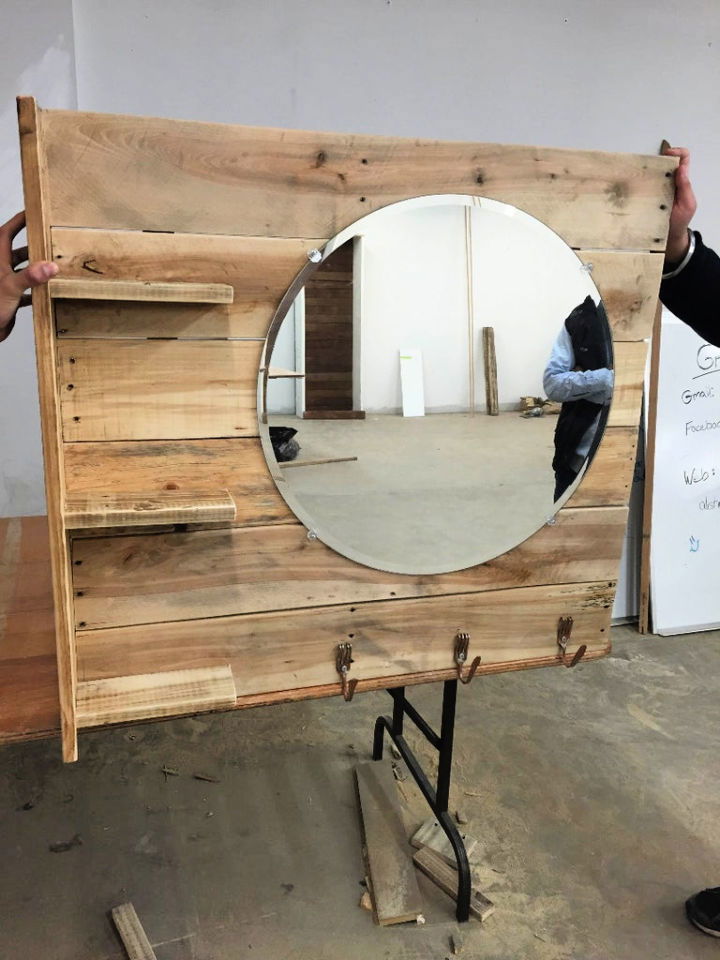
column 438, row 797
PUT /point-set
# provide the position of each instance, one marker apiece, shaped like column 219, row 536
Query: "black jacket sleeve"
column 694, row 294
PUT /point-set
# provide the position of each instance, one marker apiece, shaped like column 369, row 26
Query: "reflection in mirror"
column 437, row 388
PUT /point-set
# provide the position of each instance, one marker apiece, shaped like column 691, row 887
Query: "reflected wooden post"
column 491, row 390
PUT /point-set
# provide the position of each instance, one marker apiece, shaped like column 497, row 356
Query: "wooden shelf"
column 124, row 699
column 278, row 373
column 137, row 290
column 144, row 509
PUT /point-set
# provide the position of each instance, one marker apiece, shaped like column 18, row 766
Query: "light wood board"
column 158, row 389
column 122, row 699
column 166, row 506
column 128, row 580
column 259, row 269
column 237, row 465
column 64, row 289
column 273, row 651
column 291, row 183
column 395, row 892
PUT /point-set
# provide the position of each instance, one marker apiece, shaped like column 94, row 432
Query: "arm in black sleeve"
column 693, row 295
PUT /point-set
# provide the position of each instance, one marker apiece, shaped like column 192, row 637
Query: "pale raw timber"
column 149, row 398
column 120, row 290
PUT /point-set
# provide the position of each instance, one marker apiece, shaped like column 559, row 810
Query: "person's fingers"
column 8, row 232
column 38, row 273
column 32, row 276
column 19, row 255
column 14, row 225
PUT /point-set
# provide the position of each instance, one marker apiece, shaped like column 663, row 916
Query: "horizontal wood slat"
column 143, row 173
column 182, row 576
column 158, row 390
column 273, row 652
column 628, row 284
column 154, row 290
column 183, row 465
column 164, row 506
column 123, row 699
column 259, row 269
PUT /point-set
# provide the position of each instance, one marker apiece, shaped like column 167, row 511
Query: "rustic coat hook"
column 462, row 642
column 565, row 625
column 343, row 659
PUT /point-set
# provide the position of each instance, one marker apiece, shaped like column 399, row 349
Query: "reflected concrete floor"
column 479, row 485
column 593, row 792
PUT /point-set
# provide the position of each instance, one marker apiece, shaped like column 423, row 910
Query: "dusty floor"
column 479, row 484
column 594, row 793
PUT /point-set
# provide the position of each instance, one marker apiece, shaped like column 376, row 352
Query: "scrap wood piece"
column 314, row 463
column 67, row 289
column 393, row 883
column 137, row 946
column 432, row 835
column 490, row 360
column 167, row 694
column 446, row 877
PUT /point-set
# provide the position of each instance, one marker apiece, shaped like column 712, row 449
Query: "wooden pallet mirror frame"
column 149, row 412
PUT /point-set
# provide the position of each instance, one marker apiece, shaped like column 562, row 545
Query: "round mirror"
column 435, row 390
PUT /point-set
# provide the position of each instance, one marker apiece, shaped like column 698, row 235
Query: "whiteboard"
column 685, row 539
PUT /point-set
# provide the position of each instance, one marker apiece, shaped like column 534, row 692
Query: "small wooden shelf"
column 143, row 509
column 137, row 290
column 124, row 699
column 278, row 373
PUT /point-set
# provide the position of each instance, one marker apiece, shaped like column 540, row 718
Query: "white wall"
column 38, row 59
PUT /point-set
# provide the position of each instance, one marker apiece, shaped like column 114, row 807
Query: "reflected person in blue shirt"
column 578, row 375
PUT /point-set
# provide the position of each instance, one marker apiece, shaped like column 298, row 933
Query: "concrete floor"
column 479, row 485
column 594, row 793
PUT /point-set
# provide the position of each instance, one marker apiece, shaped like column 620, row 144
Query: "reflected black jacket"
column 694, row 294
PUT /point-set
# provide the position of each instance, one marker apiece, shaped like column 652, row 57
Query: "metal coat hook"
column 462, row 642
column 343, row 659
column 565, row 625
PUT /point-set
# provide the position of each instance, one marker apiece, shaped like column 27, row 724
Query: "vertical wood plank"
column 38, row 234
column 490, row 360
column 644, row 624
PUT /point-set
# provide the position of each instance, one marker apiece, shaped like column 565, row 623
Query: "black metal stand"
column 438, row 798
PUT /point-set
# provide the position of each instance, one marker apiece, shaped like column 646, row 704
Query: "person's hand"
column 683, row 208
column 14, row 283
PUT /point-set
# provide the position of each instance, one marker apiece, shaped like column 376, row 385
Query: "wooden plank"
column 122, row 699
column 628, row 284
column 137, row 946
column 430, row 834
column 150, row 290
column 274, row 652
column 334, row 415
column 630, row 357
column 395, row 892
column 165, row 506
column 158, row 389
column 277, row 373
column 609, row 477
column 445, row 877
column 29, row 704
column 184, row 576
column 315, row 463
column 644, row 625
column 141, row 173
column 237, row 465
column 260, row 269
column 490, row 366
column 35, row 186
